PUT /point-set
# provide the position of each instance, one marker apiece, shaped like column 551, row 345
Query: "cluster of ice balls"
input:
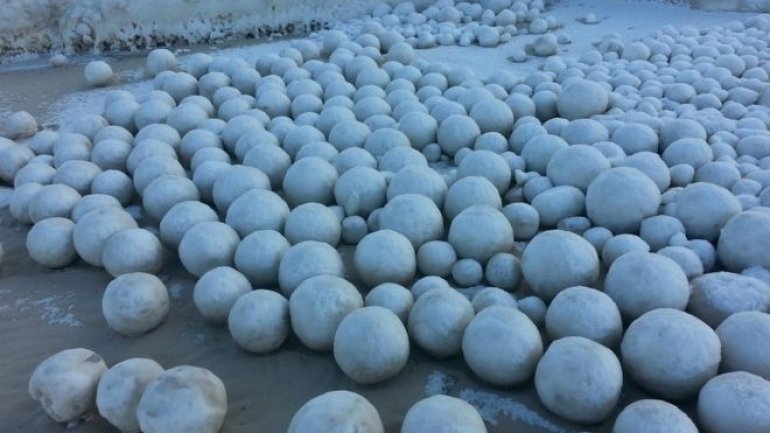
column 137, row 394
column 590, row 162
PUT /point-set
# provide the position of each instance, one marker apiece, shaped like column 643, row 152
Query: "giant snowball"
column 183, row 399
column 49, row 242
column 257, row 209
column 310, row 179
column 582, row 99
column 208, row 245
column 415, row 216
column 181, row 218
column 318, row 306
column 620, row 198
column 217, row 290
column 479, row 232
column 704, row 208
column 735, row 402
column 579, row 379
column 639, row 282
column 120, row 389
column 743, row 241
column 337, row 411
column 135, row 303
column 442, row 413
column 670, row 353
column 259, row 255
column 653, row 416
column 385, row 353
column 259, row 321
column 360, row 190
column 313, row 222
column 437, row 321
column 502, row 346
column 305, row 260
column 457, row 132
column 94, row 229
column 744, row 339
column 555, row 260
column 385, row 256
column 65, row 383
column 132, row 250
column 584, row 312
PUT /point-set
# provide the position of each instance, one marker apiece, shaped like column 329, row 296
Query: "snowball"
column 165, row 192
column 653, row 416
column 120, row 389
column 555, row 260
column 670, row 353
column 259, row 320
column 489, row 165
column 258, row 257
column 576, row 165
column 437, row 321
column 65, row 383
column 657, row 230
column 135, row 303
column 470, row 191
column 582, row 99
column 558, row 203
column 479, row 232
column 736, row 401
column 257, row 209
column 360, row 190
column 270, row 160
column 635, row 137
column 584, row 312
column 207, row 245
column 317, row 307
column 49, row 242
column 579, row 379
column 313, row 221
column 717, row 296
column 503, row 270
column 183, row 399
column 524, row 219
column 619, row 245
column 436, row 258
column 743, row 336
column 94, row 229
column 385, row 256
column 539, row 151
column 54, row 200
column 620, row 198
column 181, row 218
column 99, row 74
column 18, row 125
column 232, row 183
column 12, row 159
column 456, row 132
column 414, row 216
column 467, row 272
column 310, row 180
column 686, row 258
column 217, row 290
column 336, row 411
column 743, row 240
column 420, row 128
column 305, row 260
column 418, row 180
column 442, row 413
column 132, row 250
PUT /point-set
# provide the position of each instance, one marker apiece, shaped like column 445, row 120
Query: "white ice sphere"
column 234, row 182
column 416, row 179
column 635, row 137
column 718, row 295
column 419, row 127
column 479, row 232
column 414, row 216
column 653, row 416
column 436, row 258
column 132, row 250
column 743, row 336
column 457, row 132
column 259, row 320
column 442, row 413
column 372, row 363
column 92, row 202
column 258, row 257
column 257, row 209
column 94, row 229
column 65, row 383
column 736, row 401
column 620, row 198
column 77, row 174
column 657, row 230
column 576, row 165
column 539, row 151
column 217, row 290
column 360, row 190
column 503, row 270
column 12, row 159
column 743, row 239
column 555, row 260
column 161, row 59
column 467, row 272
column 19, row 124
column 582, row 99
column 558, row 203
column 336, row 411
column 524, row 219
column 317, row 307
column 305, row 260
column 208, row 245
column 120, row 389
column 670, row 353
column 492, row 296
column 502, row 346
column 489, row 165
column 58, row 60
column 181, row 218
column 394, row 297
column 48, row 201
column 49, row 242
column 165, row 192
column 437, row 321
column 704, row 208
column 183, row 399
column 99, row 73
column 470, row 191
column 584, row 312
column 385, row 256
column 313, row 222
column 620, row 245
column 309, row 180
column 134, row 304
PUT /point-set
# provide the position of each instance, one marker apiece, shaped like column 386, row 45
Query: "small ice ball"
column 217, row 290
column 132, row 250
column 99, row 74
column 135, row 303
column 259, row 320
column 120, row 389
column 446, row 307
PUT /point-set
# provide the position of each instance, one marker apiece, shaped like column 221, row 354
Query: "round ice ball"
column 457, row 132
column 670, row 353
column 555, row 260
column 233, row 182
column 336, row 411
column 317, row 307
column 479, row 232
column 653, row 416
column 165, row 192
column 217, row 290
column 258, row 257
column 54, row 200
column 376, row 362
column 161, row 59
column 135, row 303
column 313, row 222
column 305, row 260
column 584, row 312
column 448, row 309
column 704, row 208
column 589, row 392
column 743, row 239
column 65, row 383
column 735, row 401
column 309, row 180
column 94, row 229
column 415, row 216
column 489, row 165
column 436, row 258
column 394, row 297
column 576, row 165
column 517, row 346
column 442, row 413
column 385, row 256
column 259, row 320
column 620, row 198
column 120, row 389
column 582, row 99
column 181, row 218
column 743, row 336
column 49, row 242
column 183, row 399
column 20, row 124
column 257, row 209
column 99, row 74
column 208, row 245
column 718, row 295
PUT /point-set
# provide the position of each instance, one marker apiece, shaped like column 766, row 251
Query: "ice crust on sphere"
column 442, row 412
column 394, row 297
column 479, row 232
column 257, row 209
column 120, row 389
column 181, row 217
column 414, row 216
column 259, row 320
column 65, row 383
column 582, row 99
column 336, row 411
column 20, row 124
column 183, row 399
